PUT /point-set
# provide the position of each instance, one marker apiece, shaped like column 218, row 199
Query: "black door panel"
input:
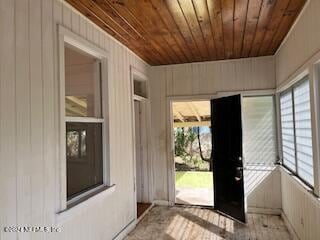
column 227, row 156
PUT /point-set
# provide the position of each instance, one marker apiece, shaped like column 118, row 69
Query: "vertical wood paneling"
column 29, row 104
column 96, row 36
column 89, row 33
column 301, row 44
column 22, row 107
column 182, row 75
column 66, row 13
column 50, row 114
column 83, row 26
column 8, row 166
column 75, row 22
column 300, row 207
column 36, row 111
column 159, row 133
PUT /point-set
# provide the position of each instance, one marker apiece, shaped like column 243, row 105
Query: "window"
column 287, row 130
column 259, row 132
column 296, row 131
column 83, row 122
column 140, row 88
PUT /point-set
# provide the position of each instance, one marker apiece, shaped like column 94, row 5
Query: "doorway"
column 141, row 152
column 192, row 152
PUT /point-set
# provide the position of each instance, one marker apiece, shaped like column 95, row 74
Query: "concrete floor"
column 197, row 223
column 194, row 196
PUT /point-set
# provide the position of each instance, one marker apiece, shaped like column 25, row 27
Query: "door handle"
column 237, row 178
column 239, row 174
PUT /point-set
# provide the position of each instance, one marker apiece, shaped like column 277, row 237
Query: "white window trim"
column 67, row 36
column 309, row 68
column 272, row 95
column 84, row 119
column 305, row 77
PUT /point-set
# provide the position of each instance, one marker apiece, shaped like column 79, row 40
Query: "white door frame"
column 135, row 74
column 170, row 135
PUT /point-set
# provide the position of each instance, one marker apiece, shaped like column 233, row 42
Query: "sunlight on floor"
column 199, row 223
column 202, row 223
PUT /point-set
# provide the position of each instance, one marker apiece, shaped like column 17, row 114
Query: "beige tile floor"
column 198, row 223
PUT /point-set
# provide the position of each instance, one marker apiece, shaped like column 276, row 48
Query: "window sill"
column 83, row 203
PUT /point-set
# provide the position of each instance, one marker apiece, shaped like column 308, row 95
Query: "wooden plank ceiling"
column 181, row 31
column 191, row 114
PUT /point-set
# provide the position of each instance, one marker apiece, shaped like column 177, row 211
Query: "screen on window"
column 84, row 157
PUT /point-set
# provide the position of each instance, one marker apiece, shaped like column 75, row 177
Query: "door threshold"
column 193, row 205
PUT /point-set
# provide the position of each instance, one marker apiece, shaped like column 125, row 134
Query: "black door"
column 227, row 156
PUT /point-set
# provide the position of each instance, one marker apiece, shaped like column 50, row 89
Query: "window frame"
column 302, row 79
column 290, row 89
column 68, row 37
column 274, row 107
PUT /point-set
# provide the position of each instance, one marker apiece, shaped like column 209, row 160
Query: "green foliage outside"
column 192, row 148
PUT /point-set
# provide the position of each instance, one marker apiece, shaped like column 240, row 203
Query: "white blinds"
column 287, row 130
column 296, row 131
column 303, row 131
column 259, row 134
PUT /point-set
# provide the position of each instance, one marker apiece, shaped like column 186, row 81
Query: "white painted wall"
column 206, row 78
column 301, row 208
column 301, row 44
column 298, row 51
column 29, row 123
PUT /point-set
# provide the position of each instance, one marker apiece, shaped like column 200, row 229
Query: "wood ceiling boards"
column 180, row 31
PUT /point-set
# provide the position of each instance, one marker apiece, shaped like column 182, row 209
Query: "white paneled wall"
column 206, row 78
column 301, row 47
column 29, row 123
column 301, row 44
column 300, row 207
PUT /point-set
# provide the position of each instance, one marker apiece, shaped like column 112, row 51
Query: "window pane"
column 287, row 129
column 303, row 131
column 84, row 157
column 259, row 130
column 73, row 142
column 82, row 84
column 83, row 143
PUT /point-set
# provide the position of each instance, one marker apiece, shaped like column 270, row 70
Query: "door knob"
column 239, row 175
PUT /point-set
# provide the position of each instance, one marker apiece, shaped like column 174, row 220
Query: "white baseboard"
column 268, row 211
column 124, row 232
column 289, row 226
column 162, row 203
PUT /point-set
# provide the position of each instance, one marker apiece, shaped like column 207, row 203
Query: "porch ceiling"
column 191, row 114
column 181, row 31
